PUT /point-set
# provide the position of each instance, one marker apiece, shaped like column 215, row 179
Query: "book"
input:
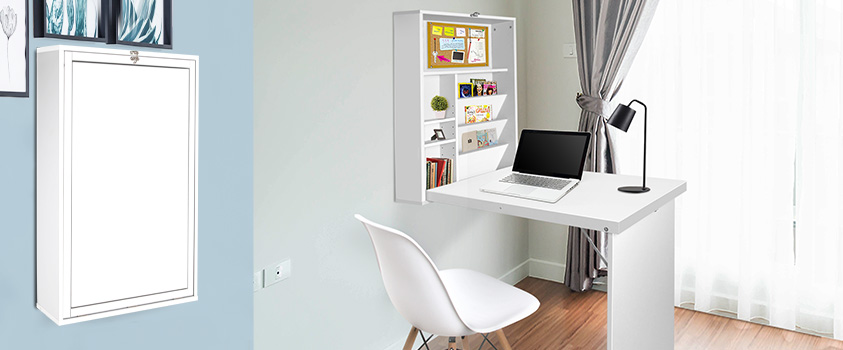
column 469, row 141
column 440, row 172
column 493, row 136
column 477, row 114
column 478, row 86
column 466, row 90
column 482, row 138
column 490, row 88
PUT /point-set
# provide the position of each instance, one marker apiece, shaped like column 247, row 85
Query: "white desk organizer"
column 117, row 170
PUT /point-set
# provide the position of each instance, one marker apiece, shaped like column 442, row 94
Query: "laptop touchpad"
column 520, row 190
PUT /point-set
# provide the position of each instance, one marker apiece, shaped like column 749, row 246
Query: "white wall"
column 552, row 85
column 323, row 152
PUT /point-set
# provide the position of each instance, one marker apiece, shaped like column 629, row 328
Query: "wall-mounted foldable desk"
column 640, row 245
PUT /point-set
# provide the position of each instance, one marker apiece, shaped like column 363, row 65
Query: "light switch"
column 569, row 50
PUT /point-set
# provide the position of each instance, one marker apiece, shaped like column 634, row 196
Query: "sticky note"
column 437, row 30
column 460, row 31
column 477, row 33
column 451, row 44
column 449, row 31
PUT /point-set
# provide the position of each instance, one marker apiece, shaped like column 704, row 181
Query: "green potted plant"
column 439, row 105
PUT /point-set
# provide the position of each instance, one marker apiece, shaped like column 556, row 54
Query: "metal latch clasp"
column 135, row 56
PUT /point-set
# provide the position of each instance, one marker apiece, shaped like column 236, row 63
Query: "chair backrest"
column 412, row 282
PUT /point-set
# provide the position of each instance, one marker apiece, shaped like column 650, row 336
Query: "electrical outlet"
column 275, row 273
column 257, row 281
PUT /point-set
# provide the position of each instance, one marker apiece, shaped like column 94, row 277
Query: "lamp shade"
column 622, row 117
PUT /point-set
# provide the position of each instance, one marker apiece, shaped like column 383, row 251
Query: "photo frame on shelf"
column 438, row 134
column 147, row 23
column 14, row 64
column 85, row 20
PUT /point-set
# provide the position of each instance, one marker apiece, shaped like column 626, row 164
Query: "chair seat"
column 486, row 304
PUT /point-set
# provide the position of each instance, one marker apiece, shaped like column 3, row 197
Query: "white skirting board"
column 547, row 270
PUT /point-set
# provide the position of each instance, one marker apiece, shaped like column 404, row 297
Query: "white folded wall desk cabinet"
column 415, row 84
column 116, row 182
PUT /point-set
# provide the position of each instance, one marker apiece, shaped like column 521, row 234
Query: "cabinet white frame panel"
column 414, row 85
column 126, row 160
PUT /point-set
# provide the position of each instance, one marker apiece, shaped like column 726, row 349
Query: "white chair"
column 454, row 303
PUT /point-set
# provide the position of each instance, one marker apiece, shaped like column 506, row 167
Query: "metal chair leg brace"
column 486, row 339
column 424, row 341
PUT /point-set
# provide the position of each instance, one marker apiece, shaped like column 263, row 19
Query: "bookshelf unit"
column 414, row 85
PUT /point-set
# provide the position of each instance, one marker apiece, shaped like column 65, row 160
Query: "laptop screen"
column 551, row 153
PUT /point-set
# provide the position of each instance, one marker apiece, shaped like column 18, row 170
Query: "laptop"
column 548, row 164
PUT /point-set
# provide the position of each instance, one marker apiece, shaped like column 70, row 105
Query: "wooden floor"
column 567, row 321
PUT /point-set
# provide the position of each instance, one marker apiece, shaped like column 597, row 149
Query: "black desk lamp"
column 621, row 119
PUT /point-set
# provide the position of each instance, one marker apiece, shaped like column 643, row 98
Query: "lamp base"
column 634, row 189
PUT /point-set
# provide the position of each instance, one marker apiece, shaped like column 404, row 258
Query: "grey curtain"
column 608, row 34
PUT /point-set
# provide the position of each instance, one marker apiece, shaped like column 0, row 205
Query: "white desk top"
column 594, row 204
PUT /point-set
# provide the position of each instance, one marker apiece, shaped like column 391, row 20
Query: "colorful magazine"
column 490, row 88
column 493, row 136
column 477, row 114
column 482, row 138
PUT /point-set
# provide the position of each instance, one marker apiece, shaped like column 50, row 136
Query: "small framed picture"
column 76, row 20
column 142, row 23
column 438, row 135
column 457, row 57
column 14, row 59
column 466, row 89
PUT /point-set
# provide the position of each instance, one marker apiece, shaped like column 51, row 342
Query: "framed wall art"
column 72, row 19
column 142, row 23
column 14, row 61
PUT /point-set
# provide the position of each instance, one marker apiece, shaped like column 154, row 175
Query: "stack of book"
column 440, row 171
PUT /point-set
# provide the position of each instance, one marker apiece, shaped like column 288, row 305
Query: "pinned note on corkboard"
column 451, row 45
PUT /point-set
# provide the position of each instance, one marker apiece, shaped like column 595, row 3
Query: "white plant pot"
column 439, row 114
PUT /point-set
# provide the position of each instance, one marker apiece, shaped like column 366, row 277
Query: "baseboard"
column 547, row 270
column 517, row 274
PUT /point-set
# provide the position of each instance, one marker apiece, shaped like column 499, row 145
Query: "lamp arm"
column 644, row 177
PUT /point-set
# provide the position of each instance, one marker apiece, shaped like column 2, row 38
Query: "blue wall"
column 220, row 32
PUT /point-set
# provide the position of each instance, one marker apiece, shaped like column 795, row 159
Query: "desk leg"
column 641, row 284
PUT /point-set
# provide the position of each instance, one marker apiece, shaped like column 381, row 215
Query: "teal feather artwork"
column 55, row 16
column 81, row 11
column 72, row 17
column 141, row 21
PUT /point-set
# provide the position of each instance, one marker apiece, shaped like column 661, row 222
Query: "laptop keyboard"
column 536, row 181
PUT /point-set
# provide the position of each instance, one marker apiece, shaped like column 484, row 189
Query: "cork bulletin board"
column 452, row 45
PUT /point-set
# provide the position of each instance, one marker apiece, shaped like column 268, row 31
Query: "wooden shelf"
column 438, row 142
column 437, row 121
column 445, row 71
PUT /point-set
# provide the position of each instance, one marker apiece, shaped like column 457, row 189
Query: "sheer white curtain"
column 745, row 104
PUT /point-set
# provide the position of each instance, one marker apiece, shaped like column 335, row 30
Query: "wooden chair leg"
column 411, row 338
column 452, row 343
column 465, row 345
column 502, row 339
